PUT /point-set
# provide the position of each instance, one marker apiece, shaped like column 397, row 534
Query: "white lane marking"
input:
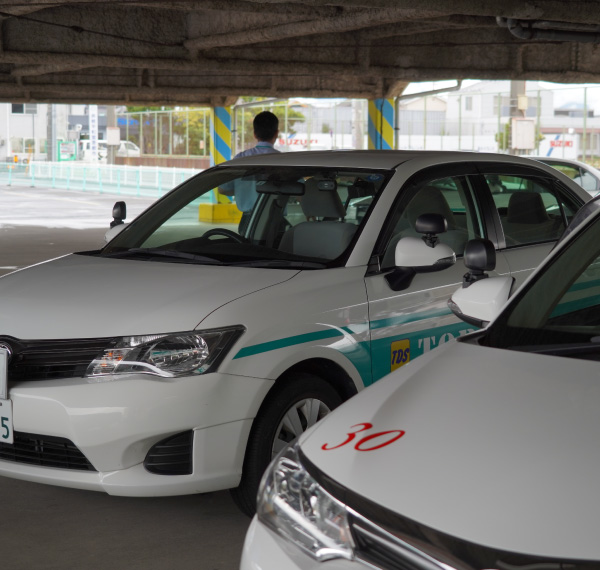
column 58, row 198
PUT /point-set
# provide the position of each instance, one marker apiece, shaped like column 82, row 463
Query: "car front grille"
column 171, row 456
column 51, row 359
column 383, row 550
column 46, row 451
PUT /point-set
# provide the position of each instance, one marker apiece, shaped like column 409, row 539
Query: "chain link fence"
column 565, row 122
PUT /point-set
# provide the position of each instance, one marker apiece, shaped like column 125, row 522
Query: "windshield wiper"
column 280, row 263
column 168, row 253
column 572, row 349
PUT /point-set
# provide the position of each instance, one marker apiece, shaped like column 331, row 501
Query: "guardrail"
column 114, row 179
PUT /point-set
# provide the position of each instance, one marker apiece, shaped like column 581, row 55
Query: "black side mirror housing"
column 479, row 257
column 119, row 213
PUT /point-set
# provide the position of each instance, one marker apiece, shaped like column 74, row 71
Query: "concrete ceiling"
column 153, row 52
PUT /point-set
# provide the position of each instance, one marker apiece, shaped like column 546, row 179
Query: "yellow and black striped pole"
column 220, row 134
column 222, row 209
column 381, row 124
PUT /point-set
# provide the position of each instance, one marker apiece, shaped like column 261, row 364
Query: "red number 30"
column 361, row 444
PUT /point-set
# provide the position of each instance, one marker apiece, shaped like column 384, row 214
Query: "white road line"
column 57, row 198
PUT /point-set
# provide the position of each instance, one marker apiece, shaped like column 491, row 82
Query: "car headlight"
column 167, row 355
column 293, row 504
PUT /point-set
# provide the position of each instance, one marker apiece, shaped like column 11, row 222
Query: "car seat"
column 324, row 234
column 527, row 220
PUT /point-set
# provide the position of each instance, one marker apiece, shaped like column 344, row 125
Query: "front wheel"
column 286, row 413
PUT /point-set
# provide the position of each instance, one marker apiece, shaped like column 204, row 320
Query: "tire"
column 288, row 411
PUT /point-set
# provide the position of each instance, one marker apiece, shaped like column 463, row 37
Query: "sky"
column 563, row 93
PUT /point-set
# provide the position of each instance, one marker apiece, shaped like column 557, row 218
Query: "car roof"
column 374, row 159
column 558, row 159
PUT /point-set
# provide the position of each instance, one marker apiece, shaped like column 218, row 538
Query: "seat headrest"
column 526, row 208
column 320, row 203
column 429, row 200
column 360, row 189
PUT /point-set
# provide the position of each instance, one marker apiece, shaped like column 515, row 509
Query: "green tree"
column 193, row 125
column 503, row 137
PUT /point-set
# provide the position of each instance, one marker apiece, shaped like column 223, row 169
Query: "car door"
column 409, row 322
column 531, row 210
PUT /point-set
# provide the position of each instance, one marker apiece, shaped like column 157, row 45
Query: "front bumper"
column 115, row 421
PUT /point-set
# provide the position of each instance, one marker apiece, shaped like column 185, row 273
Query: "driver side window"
column 452, row 197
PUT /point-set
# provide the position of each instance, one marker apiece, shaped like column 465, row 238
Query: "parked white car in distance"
column 128, row 149
column 584, row 174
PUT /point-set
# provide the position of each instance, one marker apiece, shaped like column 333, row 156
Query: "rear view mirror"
column 327, row 185
column 281, row 188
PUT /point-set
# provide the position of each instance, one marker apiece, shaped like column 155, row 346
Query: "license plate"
column 6, row 417
column 6, row 422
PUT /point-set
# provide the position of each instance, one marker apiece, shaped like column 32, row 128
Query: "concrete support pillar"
column 381, row 124
column 220, row 135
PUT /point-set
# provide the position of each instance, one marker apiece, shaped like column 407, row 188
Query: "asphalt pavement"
column 52, row 528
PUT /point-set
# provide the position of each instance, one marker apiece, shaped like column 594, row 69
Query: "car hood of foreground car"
column 83, row 296
column 500, row 448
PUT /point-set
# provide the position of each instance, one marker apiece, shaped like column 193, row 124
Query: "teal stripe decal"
column 289, row 341
column 332, row 333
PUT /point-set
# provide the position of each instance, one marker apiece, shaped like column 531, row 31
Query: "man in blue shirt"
column 266, row 130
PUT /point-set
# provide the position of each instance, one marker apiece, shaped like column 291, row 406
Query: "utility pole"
column 517, row 88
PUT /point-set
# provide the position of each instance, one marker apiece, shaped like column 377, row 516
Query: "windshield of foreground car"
column 277, row 217
column 559, row 313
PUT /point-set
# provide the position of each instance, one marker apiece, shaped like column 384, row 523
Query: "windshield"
column 257, row 216
column 559, row 313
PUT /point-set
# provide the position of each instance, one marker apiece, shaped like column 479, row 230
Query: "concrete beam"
column 139, row 50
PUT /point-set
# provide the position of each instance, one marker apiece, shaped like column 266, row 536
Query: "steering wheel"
column 227, row 233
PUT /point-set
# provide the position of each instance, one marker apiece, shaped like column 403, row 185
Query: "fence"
column 306, row 124
column 146, row 181
column 176, row 132
column 476, row 118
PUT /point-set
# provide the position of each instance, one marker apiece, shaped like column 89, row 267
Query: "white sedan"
column 482, row 454
column 212, row 330
column 584, row 174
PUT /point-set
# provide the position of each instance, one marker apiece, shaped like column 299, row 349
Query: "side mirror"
column 114, row 230
column 482, row 301
column 479, row 257
column 481, row 297
column 119, row 213
column 421, row 255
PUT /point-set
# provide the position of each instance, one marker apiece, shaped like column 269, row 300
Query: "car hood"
column 83, row 296
column 500, row 448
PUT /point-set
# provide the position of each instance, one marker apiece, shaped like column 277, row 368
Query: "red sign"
column 297, row 142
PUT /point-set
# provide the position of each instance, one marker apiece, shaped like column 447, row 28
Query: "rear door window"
column 531, row 209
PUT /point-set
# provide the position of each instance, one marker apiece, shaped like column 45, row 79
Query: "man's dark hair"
column 266, row 125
